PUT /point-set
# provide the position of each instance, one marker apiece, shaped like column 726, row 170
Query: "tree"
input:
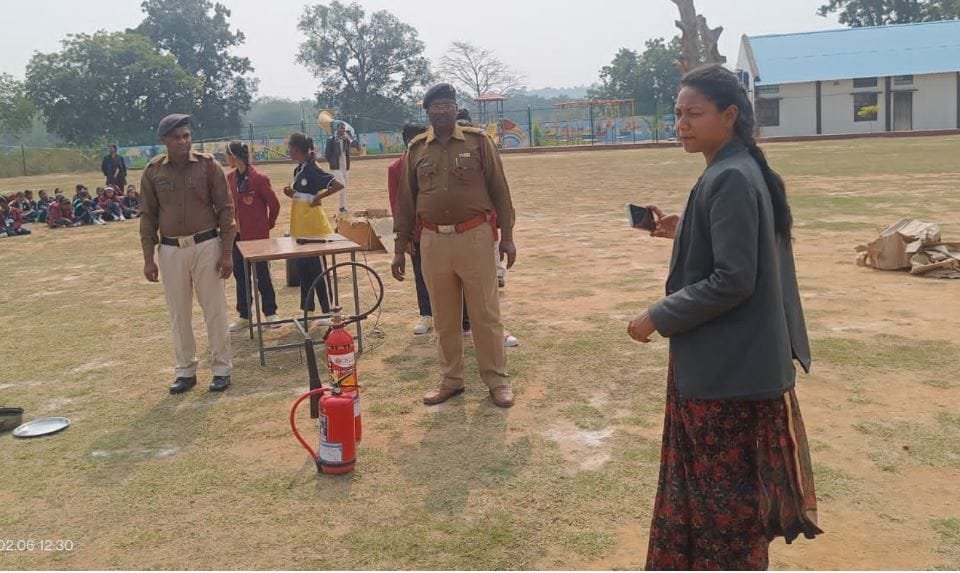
column 368, row 68
column 698, row 41
column 16, row 111
column 646, row 78
column 477, row 71
column 861, row 13
column 201, row 42
column 112, row 87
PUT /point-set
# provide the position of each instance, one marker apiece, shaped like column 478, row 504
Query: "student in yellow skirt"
column 309, row 187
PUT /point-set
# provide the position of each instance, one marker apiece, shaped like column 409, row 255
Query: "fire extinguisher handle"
column 293, row 420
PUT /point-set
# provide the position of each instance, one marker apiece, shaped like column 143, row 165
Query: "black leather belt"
column 189, row 241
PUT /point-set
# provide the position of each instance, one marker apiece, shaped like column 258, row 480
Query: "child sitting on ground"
column 85, row 210
column 131, row 202
column 11, row 220
column 60, row 213
column 110, row 204
column 43, row 205
column 27, row 206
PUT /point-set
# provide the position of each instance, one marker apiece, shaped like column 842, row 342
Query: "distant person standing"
column 257, row 208
column 114, row 168
column 309, row 187
column 337, row 153
column 188, row 210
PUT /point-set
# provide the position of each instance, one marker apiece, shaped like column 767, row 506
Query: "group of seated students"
column 111, row 204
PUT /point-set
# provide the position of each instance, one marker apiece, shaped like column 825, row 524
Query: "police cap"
column 171, row 122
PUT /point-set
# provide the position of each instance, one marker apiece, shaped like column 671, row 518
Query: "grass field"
column 566, row 478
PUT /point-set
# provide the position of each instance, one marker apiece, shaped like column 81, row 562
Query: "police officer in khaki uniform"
column 187, row 209
column 452, row 180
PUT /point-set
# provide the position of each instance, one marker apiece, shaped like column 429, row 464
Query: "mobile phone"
column 641, row 217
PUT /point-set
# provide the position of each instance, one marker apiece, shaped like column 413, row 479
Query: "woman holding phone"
column 735, row 469
column 309, row 187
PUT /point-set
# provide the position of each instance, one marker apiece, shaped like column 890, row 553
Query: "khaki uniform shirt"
column 450, row 184
column 177, row 201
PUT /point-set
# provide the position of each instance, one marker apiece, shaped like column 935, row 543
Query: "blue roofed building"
column 856, row 80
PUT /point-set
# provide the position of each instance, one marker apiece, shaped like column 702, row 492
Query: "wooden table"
column 264, row 250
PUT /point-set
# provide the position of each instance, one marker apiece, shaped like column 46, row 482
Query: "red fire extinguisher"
column 342, row 362
column 338, row 446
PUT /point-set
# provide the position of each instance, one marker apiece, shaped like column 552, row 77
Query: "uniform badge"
column 303, row 182
column 247, row 200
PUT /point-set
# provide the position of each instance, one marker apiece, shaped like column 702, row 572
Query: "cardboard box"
column 372, row 229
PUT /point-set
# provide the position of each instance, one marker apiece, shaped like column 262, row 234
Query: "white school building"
column 856, row 80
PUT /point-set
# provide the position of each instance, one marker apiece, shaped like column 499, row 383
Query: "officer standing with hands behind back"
column 188, row 210
column 452, row 180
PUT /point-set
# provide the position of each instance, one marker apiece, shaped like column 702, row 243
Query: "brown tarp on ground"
column 912, row 245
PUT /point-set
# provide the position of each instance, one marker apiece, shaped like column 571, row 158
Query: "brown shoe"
column 440, row 395
column 502, row 396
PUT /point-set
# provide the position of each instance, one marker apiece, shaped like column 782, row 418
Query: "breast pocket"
column 468, row 166
column 166, row 192
column 427, row 176
column 198, row 190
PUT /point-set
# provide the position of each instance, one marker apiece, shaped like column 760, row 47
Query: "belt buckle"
column 187, row 241
column 446, row 229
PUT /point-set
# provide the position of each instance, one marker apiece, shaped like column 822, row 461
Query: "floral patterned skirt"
column 733, row 476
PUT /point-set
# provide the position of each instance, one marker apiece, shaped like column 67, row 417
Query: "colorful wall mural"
column 510, row 135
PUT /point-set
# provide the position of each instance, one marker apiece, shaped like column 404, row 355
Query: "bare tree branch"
column 477, row 71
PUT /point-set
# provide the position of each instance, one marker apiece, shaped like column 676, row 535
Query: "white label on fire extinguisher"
column 343, row 360
column 356, row 406
column 331, row 453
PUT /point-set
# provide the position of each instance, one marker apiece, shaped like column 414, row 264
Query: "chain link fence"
column 578, row 123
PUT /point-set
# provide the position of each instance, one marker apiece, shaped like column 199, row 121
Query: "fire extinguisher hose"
column 293, row 420
column 354, row 265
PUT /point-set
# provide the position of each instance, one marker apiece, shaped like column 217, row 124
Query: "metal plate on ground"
column 41, row 427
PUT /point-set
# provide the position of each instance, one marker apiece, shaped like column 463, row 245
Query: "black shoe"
column 219, row 383
column 183, row 384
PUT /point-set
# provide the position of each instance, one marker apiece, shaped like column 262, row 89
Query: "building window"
column 744, row 77
column 903, row 80
column 768, row 112
column 864, row 82
column 768, row 90
column 865, row 107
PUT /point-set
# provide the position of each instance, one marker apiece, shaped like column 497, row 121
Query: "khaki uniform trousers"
column 457, row 267
column 185, row 271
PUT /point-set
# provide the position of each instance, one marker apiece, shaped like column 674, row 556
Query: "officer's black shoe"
column 219, row 383
column 183, row 384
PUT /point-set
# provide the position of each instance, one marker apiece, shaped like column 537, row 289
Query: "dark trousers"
column 113, row 212
column 308, row 269
column 264, row 284
column 423, row 297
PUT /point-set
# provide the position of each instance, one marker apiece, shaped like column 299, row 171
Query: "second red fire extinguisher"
column 342, row 362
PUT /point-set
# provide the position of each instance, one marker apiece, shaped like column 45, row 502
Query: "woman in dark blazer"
column 735, row 468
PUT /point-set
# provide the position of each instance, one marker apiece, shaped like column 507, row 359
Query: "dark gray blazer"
column 732, row 310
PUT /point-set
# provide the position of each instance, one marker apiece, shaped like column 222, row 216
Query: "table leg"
column 247, row 271
column 256, row 300
column 336, row 283
column 356, row 303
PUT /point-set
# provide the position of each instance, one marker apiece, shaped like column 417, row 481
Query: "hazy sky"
column 553, row 43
